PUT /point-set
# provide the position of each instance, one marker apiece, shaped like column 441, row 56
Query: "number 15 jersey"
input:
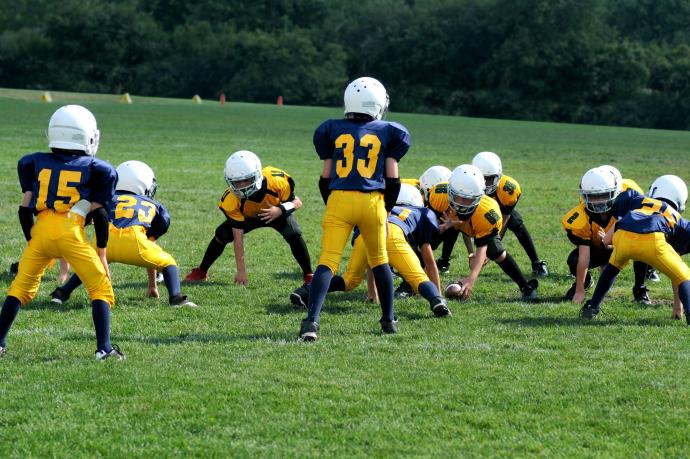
column 359, row 149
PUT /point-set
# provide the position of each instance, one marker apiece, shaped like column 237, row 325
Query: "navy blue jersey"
column 680, row 237
column 59, row 180
column 419, row 225
column 359, row 149
column 129, row 209
column 639, row 214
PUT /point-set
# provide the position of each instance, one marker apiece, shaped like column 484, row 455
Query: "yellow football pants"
column 650, row 248
column 401, row 256
column 346, row 209
column 131, row 247
column 60, row 235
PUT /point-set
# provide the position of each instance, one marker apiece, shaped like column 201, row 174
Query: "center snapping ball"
column 455, row 290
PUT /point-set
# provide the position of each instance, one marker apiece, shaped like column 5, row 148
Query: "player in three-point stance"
column 478, row 216
column 651, row 230
column 256, row 198
column 61, row 188
column 359, row 185
column 136, row 222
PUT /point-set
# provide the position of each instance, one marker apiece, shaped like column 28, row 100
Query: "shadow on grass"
column 578, row 322
column 47, row 305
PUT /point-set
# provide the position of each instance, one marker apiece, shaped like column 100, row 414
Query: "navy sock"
column 429, row 291
column 172, row 280
column 383, row 277
column 100, row 311
column 337, row 284
column 683, row 294
column 9, row 311
column 317, row 291
column 606, row 280
column 71, row 284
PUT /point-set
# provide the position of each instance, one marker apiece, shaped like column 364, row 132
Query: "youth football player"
column 256, row 198
column 586, row 223
column 61, row 188
column 137, row 221
column 478, row 216
column 650, row 230
column 359, row 184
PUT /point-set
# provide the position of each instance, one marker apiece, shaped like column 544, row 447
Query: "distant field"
column 499, row 378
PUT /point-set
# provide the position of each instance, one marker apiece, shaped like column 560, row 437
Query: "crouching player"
column 61, row 188
column 256, row 198
column 478, row 216
column 137, row 221
column 586, row 223
column 411, row 228
column 651, row 230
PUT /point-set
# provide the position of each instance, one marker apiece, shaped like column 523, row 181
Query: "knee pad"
column 224, row 233
column 572, row 261
column 494, row 248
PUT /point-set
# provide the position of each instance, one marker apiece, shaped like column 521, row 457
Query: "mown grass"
column 499, row 378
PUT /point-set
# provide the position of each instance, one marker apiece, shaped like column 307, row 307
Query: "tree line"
column 623, row 62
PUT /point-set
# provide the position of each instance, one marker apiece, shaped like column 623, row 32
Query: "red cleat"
column 197, row 275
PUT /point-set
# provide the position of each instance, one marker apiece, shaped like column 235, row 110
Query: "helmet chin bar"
column 465, row 210
column 601, row 205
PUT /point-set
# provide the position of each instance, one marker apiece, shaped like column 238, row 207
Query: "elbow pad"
column 390, row 194
column 325, row 188
column 100, row 225
column 26, row 219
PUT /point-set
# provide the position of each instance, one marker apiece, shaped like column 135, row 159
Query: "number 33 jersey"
column 359, row 149
column 59, row 180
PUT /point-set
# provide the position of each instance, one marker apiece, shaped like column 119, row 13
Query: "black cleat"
column 641, row 295
column 571, row 291
column 404, row 291
column 389, row 327
column 443, row 265
column 179, row 301
column 652, row 274
column 539, row 269
column 529, row 291
column 3, row 351
column 300, row 297
column 59, row 296
column 588, row 311
column 308, row 330
column 114, row 352
column 439, row 307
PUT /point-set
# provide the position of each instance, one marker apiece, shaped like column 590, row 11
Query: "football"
column 454, row 290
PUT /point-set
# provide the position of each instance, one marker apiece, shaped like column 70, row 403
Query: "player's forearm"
column 468, row 243
column 430, row 265
column 581, row 271
column 477, row 263
column 238, row 245
column 151, row 273
column 504, row 227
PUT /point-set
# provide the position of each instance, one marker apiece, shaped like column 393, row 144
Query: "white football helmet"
column 492, row 169
column 670, row 188
column 73, row 127
column 409, row 196
column 432, row 177
column 598, row 188
column 136, row 177
column 367, row 96
column 616, row 173
column 466, row 182
column 243, row 173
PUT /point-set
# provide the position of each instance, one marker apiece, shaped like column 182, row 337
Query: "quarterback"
column 359, row 184
column 61, row 188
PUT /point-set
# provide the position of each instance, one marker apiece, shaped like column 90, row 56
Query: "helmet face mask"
column 599, row 188
column 73, row 127
column 243, row 173
column 366, row 96
column 136, row 177
column 465, row 189
column 490, row 164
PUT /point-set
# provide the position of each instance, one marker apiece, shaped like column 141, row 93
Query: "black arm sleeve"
column 26, row 219
column 324, row 188
column 390, row 195
column 100, row 225
column 158, row 228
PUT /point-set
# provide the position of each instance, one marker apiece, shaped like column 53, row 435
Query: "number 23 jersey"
column 359, row 149
column 129, row 210
column 59, row 180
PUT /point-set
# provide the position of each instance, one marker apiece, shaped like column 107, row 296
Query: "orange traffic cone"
column 222, row 98
column 279, row 102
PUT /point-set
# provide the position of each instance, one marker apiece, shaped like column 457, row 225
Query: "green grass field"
column 499, row 378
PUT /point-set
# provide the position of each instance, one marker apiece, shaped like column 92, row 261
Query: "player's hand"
column 677, row 313
column 579, row 297
column 606, row 238
column 270, row 213
column 104, row 262
column 467, row 285
column 153, row 292
column 372, row 299
column 448, row 220
column 241, row 278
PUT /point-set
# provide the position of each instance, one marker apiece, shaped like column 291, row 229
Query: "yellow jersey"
column 438, row 198
column 277, row 187
column 507, row 194
column 583, row 228
column 484, row 223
